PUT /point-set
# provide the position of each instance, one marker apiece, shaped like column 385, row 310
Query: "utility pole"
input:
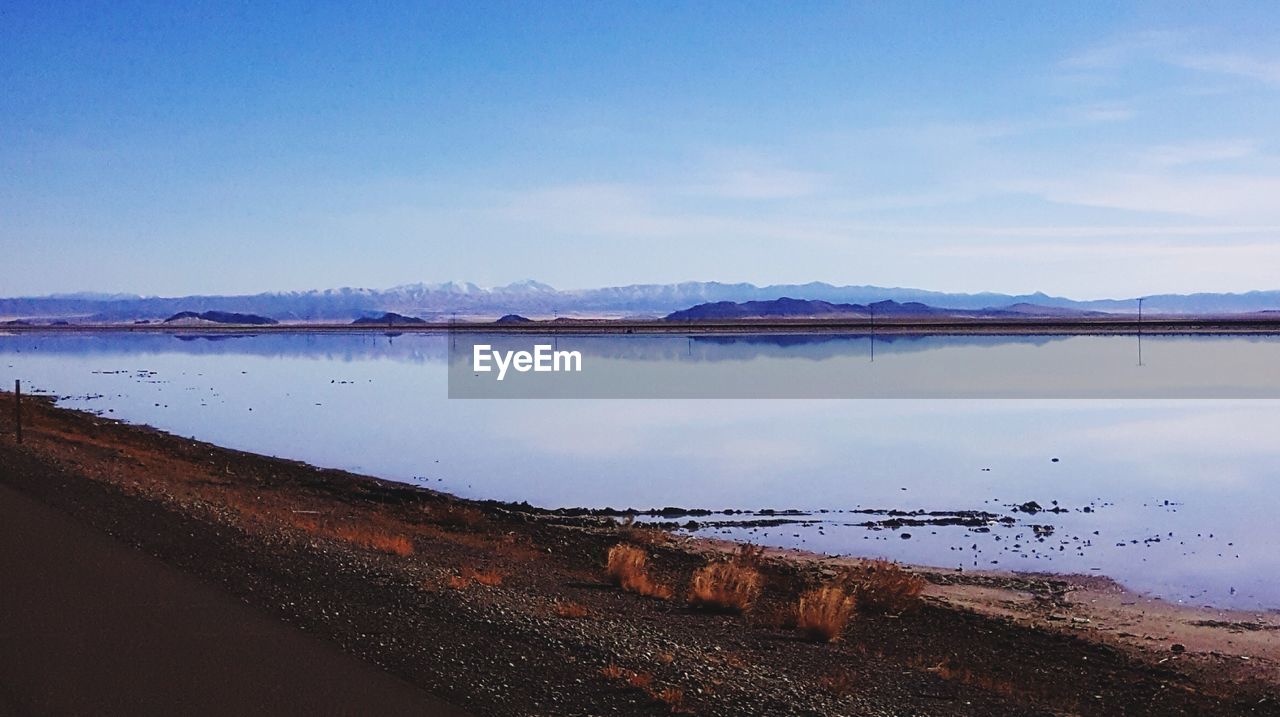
column 872, row 309
column 17, row 409
column 1140, row 300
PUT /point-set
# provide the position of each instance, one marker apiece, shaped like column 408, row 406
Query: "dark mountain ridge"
column 389, row 318
column 790, row 308
column 220, row 317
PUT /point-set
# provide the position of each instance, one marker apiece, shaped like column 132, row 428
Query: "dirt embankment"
column 506, row 610
column 93, row 627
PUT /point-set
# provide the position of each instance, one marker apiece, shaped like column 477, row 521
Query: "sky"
column 1081, row 149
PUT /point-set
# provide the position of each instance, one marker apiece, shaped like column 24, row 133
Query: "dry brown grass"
column 517, row 548
column 625, row 561
column 488, row 578
column 840, row 684
column 882, row 586
column 951, row 671
column 457, row 516
column 640, row 680
column 628, row 568
column 727, row 658
column 368, row 532
column 374, row 539
column 570, row 610
column 467, row 575
column 641, row 534
column 307, row 523
column 456, row 524
column 749, row 555
column 726, row 586
column 672, row 697
column 822, row 613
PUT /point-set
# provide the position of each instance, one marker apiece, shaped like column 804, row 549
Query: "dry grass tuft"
column 458, row 516
column 672, row 697
column 822, row 613
column 362, row 531
column 517, row 548
column 640, row 680
column 374, row 539
column 457, row 582
column 487, row 578
column 624, row 562
column 309, row 524
column 628, row 568
column 727, row 586
column 642, row 534
column 882, row 586
column 749, row 555
column 840, row 684
column 570, row 610
column 951, row 671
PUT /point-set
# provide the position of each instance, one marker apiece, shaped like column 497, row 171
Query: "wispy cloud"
column 1262, row 69
column 1230, row 197
column 1102, row 112
column 1082, row 231
column 632, row 212
column 1054, row 251
column 1122, row 50
column 1177, row 155
column 1173, row 48
column 760, row 184
column 641, row 212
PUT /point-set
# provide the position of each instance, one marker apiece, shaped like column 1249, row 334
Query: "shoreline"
column 298, row 540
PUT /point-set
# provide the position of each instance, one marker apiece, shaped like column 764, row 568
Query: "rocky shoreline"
column 508, row 610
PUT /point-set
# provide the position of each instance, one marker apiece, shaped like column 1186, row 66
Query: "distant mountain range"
column 388, row 319
column 191, row 318
column 537, row 300
column 788, row 308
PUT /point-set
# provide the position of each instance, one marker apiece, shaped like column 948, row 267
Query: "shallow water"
column 1181, row 494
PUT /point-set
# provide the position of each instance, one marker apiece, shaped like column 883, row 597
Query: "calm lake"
column 1177, row 497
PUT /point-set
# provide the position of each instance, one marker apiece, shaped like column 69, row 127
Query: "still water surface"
column 1178, row 498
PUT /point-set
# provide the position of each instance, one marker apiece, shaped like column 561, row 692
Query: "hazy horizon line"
column 90, row 294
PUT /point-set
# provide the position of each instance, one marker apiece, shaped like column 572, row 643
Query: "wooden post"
column 17, row 409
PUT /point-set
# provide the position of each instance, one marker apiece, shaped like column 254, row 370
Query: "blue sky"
column 1086, row 149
